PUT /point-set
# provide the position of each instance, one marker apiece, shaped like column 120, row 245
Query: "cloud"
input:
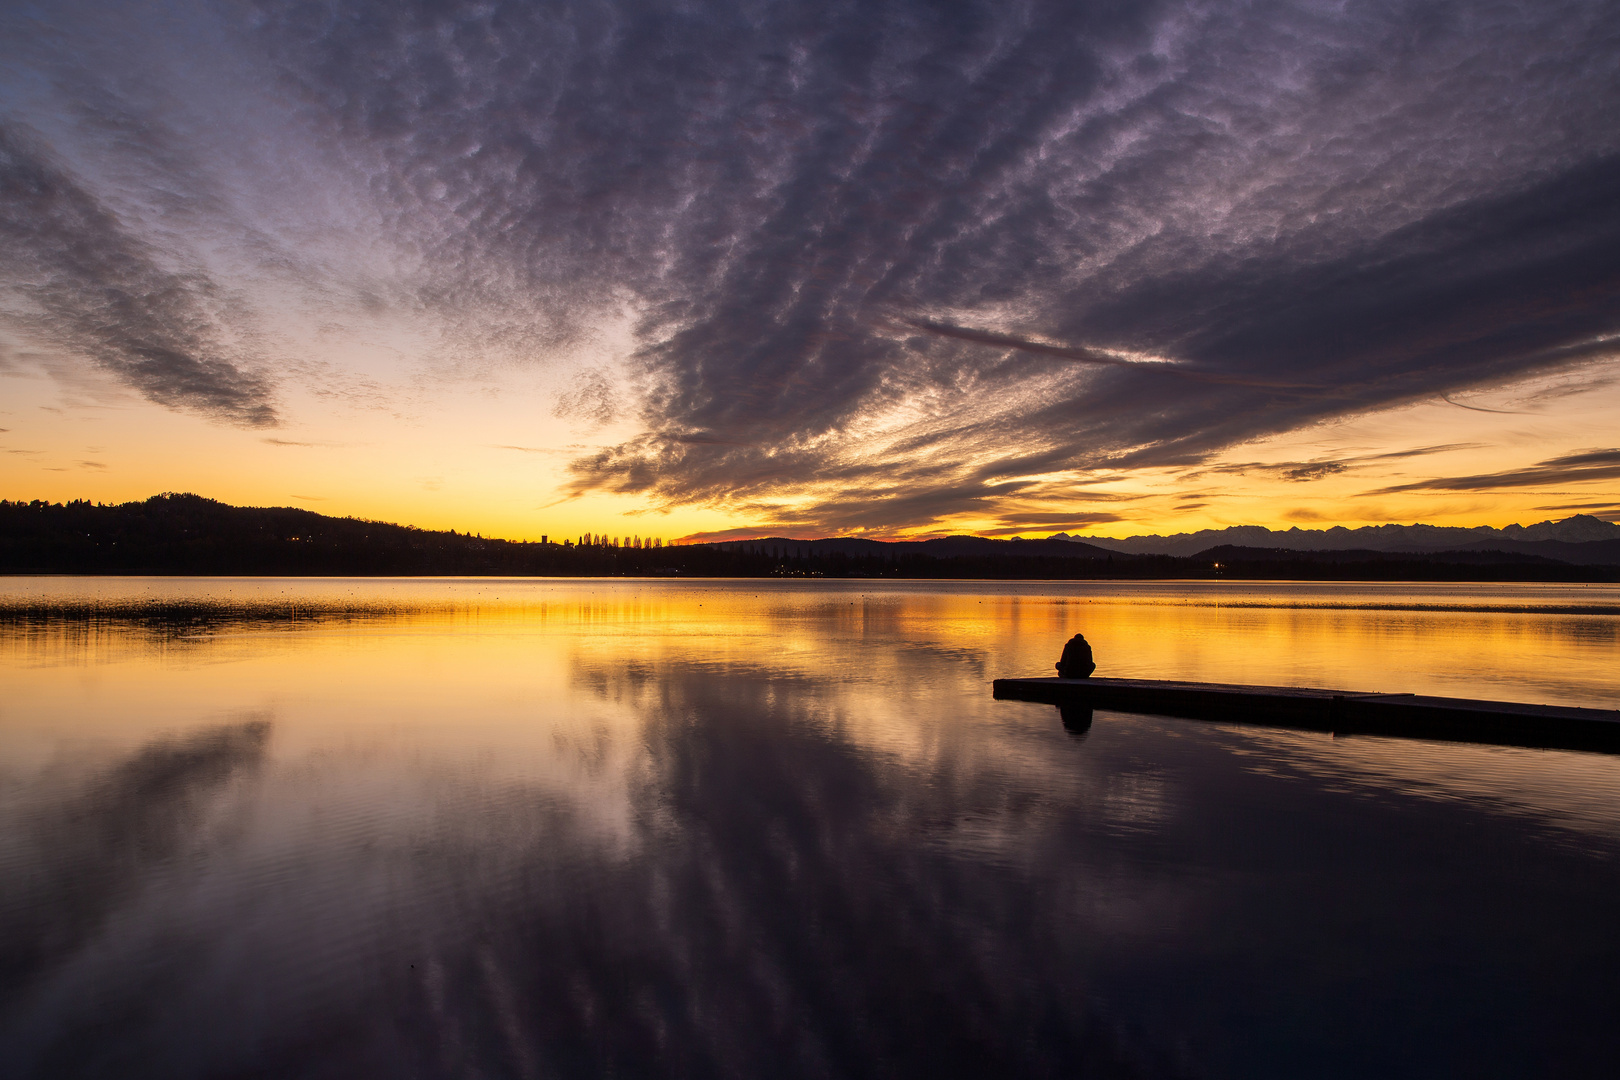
column 1612, row 504
column 890, row 264
column 76, row 277
column 527, row 449
column 1594, row 377
column 1480, row 408
column 94, row 847
column 1296, row 471
column 591, row 398
column 1419, row 451
column 1568, row 469
column 774, row 376
column 1304, row 471
column 1015, row 524
column 1313, row 470
column 985, row 337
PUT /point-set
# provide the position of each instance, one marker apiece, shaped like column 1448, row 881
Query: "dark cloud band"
column 1553, row 472
column 77, row 278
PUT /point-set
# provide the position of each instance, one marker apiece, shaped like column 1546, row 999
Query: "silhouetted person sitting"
column 1076, row 662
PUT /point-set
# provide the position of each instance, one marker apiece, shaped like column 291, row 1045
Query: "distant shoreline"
column 186, row 535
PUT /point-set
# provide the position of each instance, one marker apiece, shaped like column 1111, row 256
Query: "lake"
column 526, row 828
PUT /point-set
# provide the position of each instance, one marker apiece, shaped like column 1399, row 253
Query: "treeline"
column 187, row 534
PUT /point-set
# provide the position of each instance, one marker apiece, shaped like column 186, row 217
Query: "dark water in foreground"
column 488, row 828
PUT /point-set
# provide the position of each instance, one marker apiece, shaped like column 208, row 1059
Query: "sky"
column 708, row 269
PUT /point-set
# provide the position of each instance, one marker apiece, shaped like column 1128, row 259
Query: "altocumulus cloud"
column 896, row 261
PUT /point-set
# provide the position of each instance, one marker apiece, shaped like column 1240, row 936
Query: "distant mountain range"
column 1583, row 540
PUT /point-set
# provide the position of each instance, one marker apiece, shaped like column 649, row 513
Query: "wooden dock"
column 1343, row 712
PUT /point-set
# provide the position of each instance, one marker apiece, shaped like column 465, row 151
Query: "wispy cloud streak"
column 1564, row 469
column 77, row 278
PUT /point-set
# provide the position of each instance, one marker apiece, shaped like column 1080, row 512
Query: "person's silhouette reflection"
column 1076, row 719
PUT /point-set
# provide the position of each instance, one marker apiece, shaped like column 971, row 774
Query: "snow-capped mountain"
column 1580, row 529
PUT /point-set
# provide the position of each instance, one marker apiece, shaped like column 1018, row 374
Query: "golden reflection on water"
column 1550, row 644
column 483, row 666
column 304, row 780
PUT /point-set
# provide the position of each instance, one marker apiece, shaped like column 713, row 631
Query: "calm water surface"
column 486, row 827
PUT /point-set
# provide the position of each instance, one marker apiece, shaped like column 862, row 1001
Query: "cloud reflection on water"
column 726, row 830
column 96, row 844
